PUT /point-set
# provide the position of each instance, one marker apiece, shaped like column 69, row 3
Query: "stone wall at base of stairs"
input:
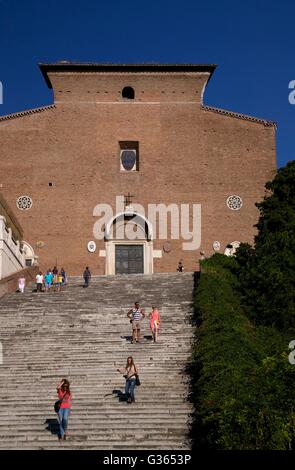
column 10, row 283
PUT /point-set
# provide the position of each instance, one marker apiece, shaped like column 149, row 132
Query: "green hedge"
column 242, row 381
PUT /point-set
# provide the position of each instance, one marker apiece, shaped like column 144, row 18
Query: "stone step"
column 104, row 445
column 119, row 412
column 80, row 333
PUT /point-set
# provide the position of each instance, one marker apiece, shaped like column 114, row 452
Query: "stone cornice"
column 65, row 66
column 26, row 112
column 245, row 117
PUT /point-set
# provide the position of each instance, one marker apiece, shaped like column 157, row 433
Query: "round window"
column 91, row 246
column 234, row 202
column 24, row 203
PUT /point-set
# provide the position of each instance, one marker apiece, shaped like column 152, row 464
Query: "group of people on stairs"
column 129, row 372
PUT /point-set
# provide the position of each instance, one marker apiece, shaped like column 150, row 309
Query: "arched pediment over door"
column 128, row 244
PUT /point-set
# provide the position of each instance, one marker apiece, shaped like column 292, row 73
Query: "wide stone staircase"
column 84, row 335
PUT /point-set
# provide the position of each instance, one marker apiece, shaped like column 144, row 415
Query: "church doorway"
column 128, row 244
column 129, row 259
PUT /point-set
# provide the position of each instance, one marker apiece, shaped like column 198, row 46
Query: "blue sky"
column 252, row 42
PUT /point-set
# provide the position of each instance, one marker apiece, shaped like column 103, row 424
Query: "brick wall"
column 187, row 155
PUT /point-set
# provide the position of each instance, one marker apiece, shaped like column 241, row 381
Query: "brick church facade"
column 143, row 134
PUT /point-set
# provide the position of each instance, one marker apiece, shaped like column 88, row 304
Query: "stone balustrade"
column 12, row 258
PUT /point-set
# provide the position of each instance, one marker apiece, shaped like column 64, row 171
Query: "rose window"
column 24, row 203
column 234, row 202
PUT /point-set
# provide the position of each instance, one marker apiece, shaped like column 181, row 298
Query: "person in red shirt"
column 64, row 394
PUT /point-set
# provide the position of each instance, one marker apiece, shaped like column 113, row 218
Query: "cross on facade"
column 127, row 199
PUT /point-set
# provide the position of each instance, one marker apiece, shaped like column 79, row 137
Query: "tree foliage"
column 242, row 381
column 267, row 271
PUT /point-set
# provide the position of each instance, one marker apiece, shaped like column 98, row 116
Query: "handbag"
column 57, row 406
column 137, row 381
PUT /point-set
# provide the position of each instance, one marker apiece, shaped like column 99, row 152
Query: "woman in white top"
column 129, row 373
column 39, row 281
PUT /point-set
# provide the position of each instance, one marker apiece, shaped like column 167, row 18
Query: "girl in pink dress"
column 154, row 318
column 22, row 284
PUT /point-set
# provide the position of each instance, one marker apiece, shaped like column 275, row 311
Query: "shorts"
column 155, row 325
column 135, row 325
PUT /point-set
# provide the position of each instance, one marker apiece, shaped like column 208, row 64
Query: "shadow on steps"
column 145, row 337
column 52, row 426
column 120, row 395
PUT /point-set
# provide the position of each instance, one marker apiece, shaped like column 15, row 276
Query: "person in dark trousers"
column 180, row 268
column 64, row 277
column 86, row 276
column 39, row 281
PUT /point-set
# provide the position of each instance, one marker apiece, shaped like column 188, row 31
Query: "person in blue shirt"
column 48, row 280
